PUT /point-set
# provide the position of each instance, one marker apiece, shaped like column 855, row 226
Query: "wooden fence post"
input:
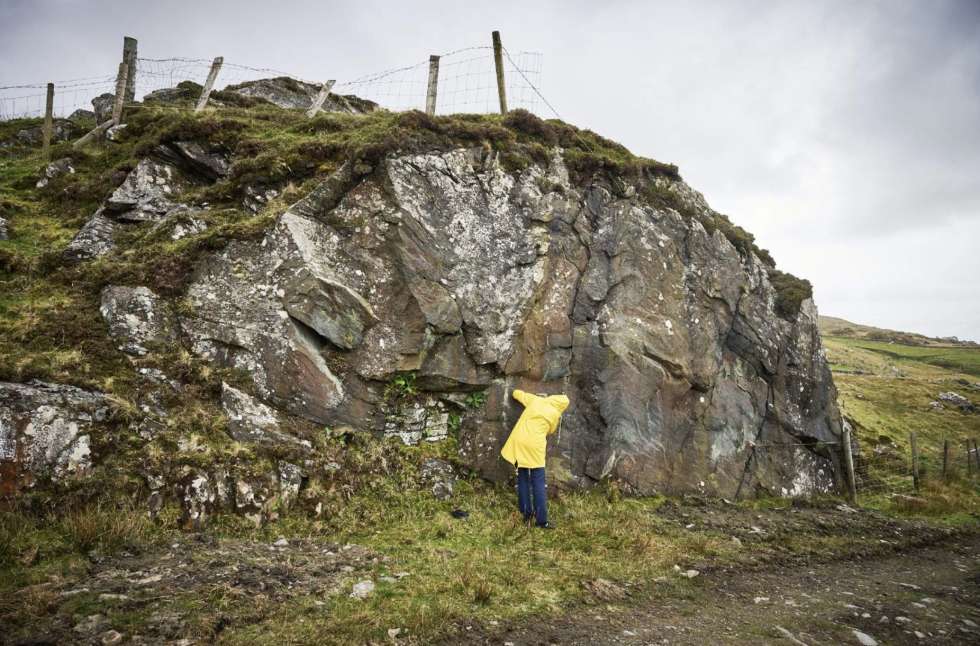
column 48, row 129
column 320, row 98
column 945, row 460
column 969, row 461
column 117, row 107
column 209, row 84
column 129, row 58
column 849, row 465
column 498, row 61
column 976, row 455
column 430, row 93
column 915, row 461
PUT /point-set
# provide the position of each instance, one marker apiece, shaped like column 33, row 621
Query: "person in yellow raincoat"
column 526, row 447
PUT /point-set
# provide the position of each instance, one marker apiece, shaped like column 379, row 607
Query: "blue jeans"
column 532, row 499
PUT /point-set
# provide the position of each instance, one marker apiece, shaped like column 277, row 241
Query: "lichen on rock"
column 45, row 432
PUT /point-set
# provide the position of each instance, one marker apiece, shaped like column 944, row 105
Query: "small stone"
column 393, row 633
column 282, row 542
column 112, row 637
column 362, row 589
column 902, row 620
column 919, row 634
column 691, row 573
column 864, row 639
column 760, row 600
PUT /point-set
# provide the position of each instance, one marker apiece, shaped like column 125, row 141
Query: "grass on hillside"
column 886, row 390
column 959, row 359
column 487, row 568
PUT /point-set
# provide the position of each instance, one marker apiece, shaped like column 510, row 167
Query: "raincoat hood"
column 560, row 402
column 528, row 443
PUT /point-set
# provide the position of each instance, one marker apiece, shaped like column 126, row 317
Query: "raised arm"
column 524, row 397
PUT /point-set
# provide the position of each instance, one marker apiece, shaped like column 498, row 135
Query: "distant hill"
column 833, row 326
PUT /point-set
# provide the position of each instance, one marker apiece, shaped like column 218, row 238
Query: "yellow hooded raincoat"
column 526, row 445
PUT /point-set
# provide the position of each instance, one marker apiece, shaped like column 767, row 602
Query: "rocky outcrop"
column 959, row 401
column 286, row 92
column 137, row 318
column 81, row 115
column 461, row 276
column 94, row 239
column 57, row 168
column 45, row 432
column 211, row 163
column 102, row 106
column 252, row 422
column 62, row 130
column 147, row 194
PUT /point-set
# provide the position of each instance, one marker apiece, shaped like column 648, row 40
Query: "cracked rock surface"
column 470, row 277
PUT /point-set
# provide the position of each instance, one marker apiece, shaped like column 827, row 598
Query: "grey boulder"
column 290, row 93
column 94, row 239
column 57, row 168
column 102, row 105
column 252, row 422
column 46, row 431
column 147, row 193
column 137, row 318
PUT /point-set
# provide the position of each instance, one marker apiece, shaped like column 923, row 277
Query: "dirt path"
column 927, row 595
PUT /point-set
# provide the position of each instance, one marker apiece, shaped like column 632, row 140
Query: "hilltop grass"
column 886, row 390
column 965, row 360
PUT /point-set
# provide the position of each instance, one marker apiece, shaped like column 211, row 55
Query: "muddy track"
column 926, row 593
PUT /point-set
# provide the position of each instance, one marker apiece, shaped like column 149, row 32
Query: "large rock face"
column 457, row 276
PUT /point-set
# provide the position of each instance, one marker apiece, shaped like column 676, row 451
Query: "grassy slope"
column 886, row 390
column 833, row 326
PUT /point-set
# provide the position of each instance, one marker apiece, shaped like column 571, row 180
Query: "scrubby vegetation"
column 790, row 293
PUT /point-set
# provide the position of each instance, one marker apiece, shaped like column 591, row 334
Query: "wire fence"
column 889, row 469
column 28, row 101
column 466, row 83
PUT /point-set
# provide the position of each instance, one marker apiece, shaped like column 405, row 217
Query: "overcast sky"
column 844, row 135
